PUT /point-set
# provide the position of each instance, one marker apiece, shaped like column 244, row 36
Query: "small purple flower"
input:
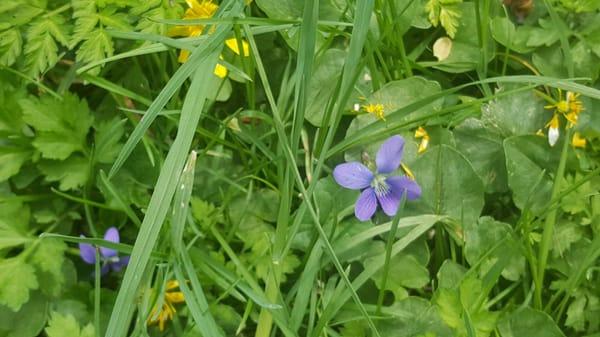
column 379, row 185
column 109, row 257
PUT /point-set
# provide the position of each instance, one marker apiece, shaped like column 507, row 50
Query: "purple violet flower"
column 109, row 257
column 378, row 186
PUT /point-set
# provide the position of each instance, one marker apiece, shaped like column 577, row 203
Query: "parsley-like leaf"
column 61, row 125
column 17, row 278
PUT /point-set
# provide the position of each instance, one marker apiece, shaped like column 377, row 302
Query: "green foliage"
column 66, row 325
column 446, row 13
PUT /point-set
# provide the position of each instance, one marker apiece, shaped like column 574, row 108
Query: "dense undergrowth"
column 193, row 168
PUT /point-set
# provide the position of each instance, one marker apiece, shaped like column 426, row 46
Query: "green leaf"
column 97, row 46
column 411, row 317
column 72, row 172
column 517, row 114
column 17, row 278
column 466, row 52
column 11, row 160
column 528, row 322
column 28, row 321
column 449, row 185
column 504, row 31
column 485, row 152
column 550, row 62
column 546, row 35
column 49, row 256
column 41, row 51
column 11, row 44
column 460, row 310
column 65, row 325
column 527, row 159
column 576, row 314
column 326, row 73
column 407, row 272
column 494, row 242
column 107, row 140
column 61, row 125
column 11, row 236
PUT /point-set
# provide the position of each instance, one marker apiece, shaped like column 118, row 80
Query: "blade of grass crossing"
column 303, row 73
column 194, row 297
column 343, row 294
column 161, row 198
column 364, row 9
column 214, row 45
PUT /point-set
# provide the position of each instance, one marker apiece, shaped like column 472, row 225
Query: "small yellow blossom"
column 167, row 311
column 553, row 130
column 375, row 109
column 421, row 133
column 204, row 10
column 578, row 141
column 570, row 107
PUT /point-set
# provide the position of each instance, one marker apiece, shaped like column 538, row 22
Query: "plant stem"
column 388, row 253
column 549, row 223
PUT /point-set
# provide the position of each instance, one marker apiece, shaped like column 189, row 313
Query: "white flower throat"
column 380, row 185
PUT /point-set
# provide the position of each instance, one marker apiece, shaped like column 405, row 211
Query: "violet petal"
column 87, row 252
column 366, row 205
column 402, row 184
column 389, row 154
column 353, row 175
column 389, row 202
column 112, row 235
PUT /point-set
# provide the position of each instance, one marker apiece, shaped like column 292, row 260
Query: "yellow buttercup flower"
column 166, row 312
column 204, row 10
column 421, row 133
column 570, row 107
column 375, row 109
column 578, row 141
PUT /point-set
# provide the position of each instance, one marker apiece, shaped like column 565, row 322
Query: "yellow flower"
column 553, row 130
column 407, row 171
column 578, row 141
column 376, row 109
column 167, row 311
column 570, row 107
column 204, row 10
column 421, row 133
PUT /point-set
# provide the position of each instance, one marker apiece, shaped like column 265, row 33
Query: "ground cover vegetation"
column 351, row 168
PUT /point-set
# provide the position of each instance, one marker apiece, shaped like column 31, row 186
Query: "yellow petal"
column 175, row 297
column 233, row 45
column 407, row 171
column 578, row 141
column 183, row 56
column 172, row 284
column 423, row 145
column 220, row 70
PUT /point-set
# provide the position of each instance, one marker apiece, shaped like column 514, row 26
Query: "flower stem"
column 549, row 223
column 388, row 253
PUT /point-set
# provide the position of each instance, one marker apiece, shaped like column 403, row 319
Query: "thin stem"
column 388, row 253
column 549, row 223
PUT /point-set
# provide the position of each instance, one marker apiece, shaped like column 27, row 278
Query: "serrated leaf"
column 11, row 236
column 11, row 44
column 41, row 51
column 17, row 278
column 61, row 125
column 71, row 173
column 84, row 13
column 97, row 46
column 107, row 140
column 529, row 322
column 49, row 256
column 66, row 325
column 11, row 160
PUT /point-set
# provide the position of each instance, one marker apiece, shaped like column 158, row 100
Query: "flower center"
column 112, row 259
column 380, row 185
